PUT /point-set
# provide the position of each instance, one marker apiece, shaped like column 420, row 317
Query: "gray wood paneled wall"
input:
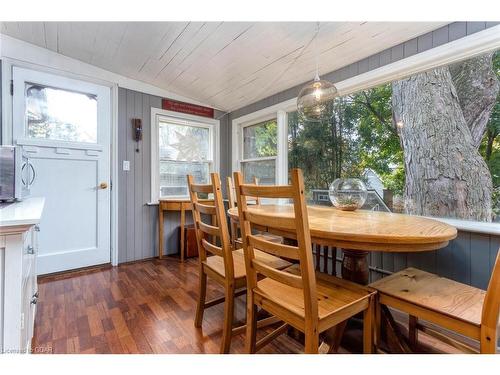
column 137, row 221
column 1, row 105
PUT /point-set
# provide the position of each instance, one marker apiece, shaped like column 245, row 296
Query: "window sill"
column 471, row 226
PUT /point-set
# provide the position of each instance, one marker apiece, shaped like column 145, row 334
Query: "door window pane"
column 264, row 170
column 61, row 115
column 260, row 140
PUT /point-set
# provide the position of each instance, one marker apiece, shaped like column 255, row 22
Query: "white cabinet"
column 18, row 252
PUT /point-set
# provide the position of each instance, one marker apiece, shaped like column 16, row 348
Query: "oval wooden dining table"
column 359, row 232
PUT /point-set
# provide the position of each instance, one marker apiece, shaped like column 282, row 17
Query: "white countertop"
column 24, row 213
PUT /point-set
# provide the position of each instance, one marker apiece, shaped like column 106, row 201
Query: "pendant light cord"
column 316, row 52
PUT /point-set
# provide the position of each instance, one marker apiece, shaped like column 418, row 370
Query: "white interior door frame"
column 7, row 130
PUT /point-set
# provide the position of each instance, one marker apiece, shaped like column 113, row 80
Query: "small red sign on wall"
column 192, row 109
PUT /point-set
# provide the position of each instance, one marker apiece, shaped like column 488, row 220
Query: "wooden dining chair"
column 458, row 307
column 234, row 225
column 310, row 302
column 217, row 259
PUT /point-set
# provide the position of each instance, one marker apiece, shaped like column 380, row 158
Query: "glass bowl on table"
column 348, row 194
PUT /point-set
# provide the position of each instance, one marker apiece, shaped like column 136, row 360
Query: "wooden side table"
column 172, row 205
column 181, row 205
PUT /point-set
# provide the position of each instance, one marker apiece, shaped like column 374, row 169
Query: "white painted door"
column 64, row 125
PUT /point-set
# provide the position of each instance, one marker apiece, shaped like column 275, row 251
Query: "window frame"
column 278, row 112
column 256, row 159
column 179, row 118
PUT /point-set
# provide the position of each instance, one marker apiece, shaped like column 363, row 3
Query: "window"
column 260, row 148
column 427, row 144
column 185, row 145
column 62, row 115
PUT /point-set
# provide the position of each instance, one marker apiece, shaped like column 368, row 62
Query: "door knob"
column 103, row 185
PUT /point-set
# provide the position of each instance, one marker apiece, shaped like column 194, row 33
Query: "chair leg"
column 377, row 326
column 228, row 320
column 251, row 332
column 202, row 294
column 368, row 328
column 234, row 233
column 488, row 342
column 311, row 342
column 338, row 333
column 311, row 345
column 413, row 332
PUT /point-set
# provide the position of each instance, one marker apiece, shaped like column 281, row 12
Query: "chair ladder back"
column 302, row 252
column 222, row 223
column 491, row 305
column 305, row 252
column 193, row 196
column 217, row 229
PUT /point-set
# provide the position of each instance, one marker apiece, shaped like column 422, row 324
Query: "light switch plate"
column 126, row 165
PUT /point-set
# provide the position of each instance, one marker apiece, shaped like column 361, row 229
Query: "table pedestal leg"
column 355, row 266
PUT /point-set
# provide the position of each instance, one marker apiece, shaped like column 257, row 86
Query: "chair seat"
column 434, row 293
column 334, row 296
column 216, row 263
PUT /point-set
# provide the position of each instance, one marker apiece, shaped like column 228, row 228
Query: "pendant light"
column 315, row 100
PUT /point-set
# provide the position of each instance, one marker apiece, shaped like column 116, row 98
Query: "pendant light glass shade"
column 315, row 100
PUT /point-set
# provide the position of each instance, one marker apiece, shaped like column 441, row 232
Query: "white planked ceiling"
column 224, row 64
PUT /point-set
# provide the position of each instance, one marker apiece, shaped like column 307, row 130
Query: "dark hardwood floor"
column 143, row 307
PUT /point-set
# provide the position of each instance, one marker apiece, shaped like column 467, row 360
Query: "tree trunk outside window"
column 441, row 118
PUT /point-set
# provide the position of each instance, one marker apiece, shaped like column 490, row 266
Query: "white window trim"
column 279, row 112
column 241, row 141
column 460, row 49
column 186, row 119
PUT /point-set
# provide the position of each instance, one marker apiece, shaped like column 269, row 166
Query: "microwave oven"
column 16, row 174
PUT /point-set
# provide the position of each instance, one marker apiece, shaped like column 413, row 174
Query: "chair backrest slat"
column 260, row 191
column 270, row 221
column 275, row 274
column 231, row 193
column 216, row 250
column 219, row 229
column 491, row 305
column 205, row 188
column 274, row 248
column 209, row 229
column 205, row 209
column 250, row 217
